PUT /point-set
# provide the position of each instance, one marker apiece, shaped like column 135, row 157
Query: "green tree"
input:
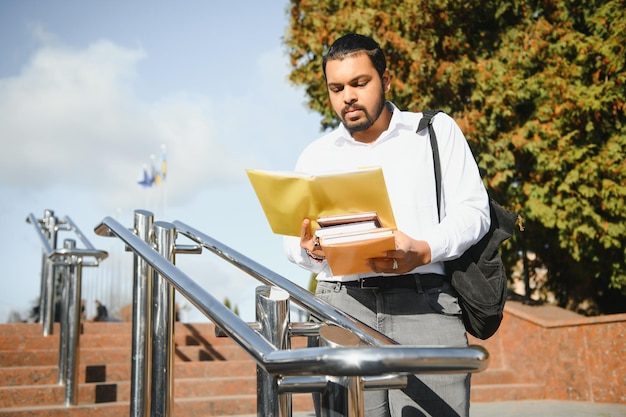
column 234, row 309
column 312, row 283
column 539, row 89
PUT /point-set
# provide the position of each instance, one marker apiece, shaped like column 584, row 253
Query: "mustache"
column 351, row 107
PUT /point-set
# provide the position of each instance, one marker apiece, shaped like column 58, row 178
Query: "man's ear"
column 386, row 80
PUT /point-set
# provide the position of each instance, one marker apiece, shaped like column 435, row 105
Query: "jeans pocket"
column 324, row 289
column 443, row 302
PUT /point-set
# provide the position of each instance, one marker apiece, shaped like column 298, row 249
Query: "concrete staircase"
column 213, row 376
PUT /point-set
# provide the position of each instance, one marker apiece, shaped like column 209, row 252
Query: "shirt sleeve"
column 298, row 256
column 465, row 217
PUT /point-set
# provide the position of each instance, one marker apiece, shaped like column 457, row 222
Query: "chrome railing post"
column 272, row 315
column 73, row 310
column 64, row 323
column 343, row 395
column 162, row 387
column 142, row 321
column 47, row 297
column 68, row 261
column 40, row 225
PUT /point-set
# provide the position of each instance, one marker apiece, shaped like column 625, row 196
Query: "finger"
column 305, row 231
column 384, row 264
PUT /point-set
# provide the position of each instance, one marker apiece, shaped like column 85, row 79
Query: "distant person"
column 34, row 314
column 101, row 312
column 83, row 314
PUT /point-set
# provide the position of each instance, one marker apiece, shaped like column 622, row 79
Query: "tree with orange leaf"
column 539, row 88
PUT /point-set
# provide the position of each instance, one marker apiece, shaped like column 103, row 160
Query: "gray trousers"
column 430, row 317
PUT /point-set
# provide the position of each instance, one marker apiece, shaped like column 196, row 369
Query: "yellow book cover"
column 287, row 198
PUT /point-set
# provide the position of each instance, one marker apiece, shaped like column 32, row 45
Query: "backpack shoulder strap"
column 427, row 116
column 427, row 121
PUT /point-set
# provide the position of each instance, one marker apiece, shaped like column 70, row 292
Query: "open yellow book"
column 287, row 198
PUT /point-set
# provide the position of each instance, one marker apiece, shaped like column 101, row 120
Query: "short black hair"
column 353, row 43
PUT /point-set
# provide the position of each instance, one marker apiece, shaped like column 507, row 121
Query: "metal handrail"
column 47, row 248
column 363, row 361
column 70, row 260
column 351, row 358
column 53, row 253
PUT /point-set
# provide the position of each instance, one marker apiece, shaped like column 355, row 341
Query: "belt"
column 408, row 281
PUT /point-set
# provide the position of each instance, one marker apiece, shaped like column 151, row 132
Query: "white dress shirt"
column 407, row 163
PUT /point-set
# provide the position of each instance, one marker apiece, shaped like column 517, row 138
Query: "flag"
column 145, row 179
column 154, row 175
column 163, row 163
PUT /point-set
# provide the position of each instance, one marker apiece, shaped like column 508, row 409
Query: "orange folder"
column 349, row 254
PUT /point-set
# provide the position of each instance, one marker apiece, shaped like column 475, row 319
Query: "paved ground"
column 537, row 409
column 547, row 408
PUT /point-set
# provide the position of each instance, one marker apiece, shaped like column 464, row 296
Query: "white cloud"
column 71, row 116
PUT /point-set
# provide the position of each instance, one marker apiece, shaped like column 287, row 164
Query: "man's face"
column 356, row 91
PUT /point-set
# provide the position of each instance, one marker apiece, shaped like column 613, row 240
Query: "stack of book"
column 350, row 240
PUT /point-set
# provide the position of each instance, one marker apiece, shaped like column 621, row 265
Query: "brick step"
column 28, row 336
column 232, row 405
column 87, row 328
column 494, row 376
column 32, row 342
column 24, row 396
column 210, row 353
column 506, row 392
column 95, row 356
column 222, row 404
column 117, row 340
column 120, row 391
column 19, row 341
column 205, row 330
column 36, row 329
column 42, row 375
column 183, row 407
column 218, row 387
column 202, row 387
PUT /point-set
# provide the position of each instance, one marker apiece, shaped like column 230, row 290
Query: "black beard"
column 368, row 122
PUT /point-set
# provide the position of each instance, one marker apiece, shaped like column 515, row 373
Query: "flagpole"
column 163, row 177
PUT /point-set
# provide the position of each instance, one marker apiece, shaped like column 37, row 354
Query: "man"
column 414, row 303
column 101, row 312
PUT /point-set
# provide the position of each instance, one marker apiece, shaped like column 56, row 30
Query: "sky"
column 89, row 91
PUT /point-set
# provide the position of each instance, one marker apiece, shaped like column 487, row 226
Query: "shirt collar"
column 399, row 120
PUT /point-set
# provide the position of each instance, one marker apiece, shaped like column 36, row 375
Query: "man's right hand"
column 308, row 240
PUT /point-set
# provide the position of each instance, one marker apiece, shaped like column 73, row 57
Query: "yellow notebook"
column 287, row 198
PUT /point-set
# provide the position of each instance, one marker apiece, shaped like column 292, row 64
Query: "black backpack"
column 478, row 276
